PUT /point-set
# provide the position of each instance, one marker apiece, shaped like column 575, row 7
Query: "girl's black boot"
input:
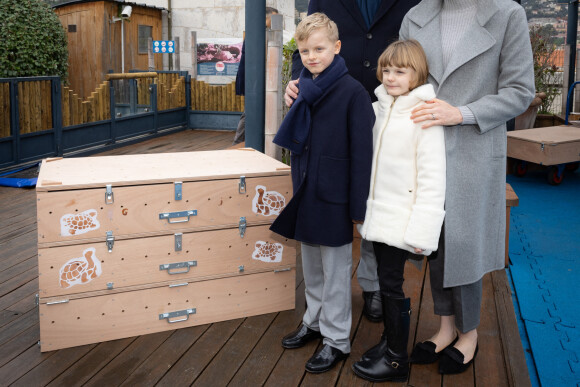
column 393, row 364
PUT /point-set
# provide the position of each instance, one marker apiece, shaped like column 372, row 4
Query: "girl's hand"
column 418, row 250
column 291, row 92
column 436, row 112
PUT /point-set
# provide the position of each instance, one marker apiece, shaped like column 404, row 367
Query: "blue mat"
column 544, row 252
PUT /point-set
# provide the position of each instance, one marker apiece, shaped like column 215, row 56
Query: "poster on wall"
column 218, row 56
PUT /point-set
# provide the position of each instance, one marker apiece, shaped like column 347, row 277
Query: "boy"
column 329, row 132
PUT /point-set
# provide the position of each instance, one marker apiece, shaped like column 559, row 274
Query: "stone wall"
column 214, row 19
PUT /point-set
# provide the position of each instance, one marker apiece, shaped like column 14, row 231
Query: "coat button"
column 366, row 63
column 369, row 36
column 306, row 148
column 303, row 175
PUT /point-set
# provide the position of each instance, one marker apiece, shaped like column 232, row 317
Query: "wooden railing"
column 207, row 97
column 4, row 110
column 170, row 91
column 34, row 109
column 97, row 107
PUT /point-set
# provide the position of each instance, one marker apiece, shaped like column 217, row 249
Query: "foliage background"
column 32, row 40
column 543, row 50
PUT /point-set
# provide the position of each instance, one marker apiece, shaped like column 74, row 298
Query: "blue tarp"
column 18, row 182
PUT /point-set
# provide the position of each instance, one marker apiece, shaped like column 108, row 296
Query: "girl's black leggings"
column 391, row 268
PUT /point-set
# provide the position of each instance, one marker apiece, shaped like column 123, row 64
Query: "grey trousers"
column 463, row 302
column 327, row 272
column 366, row 273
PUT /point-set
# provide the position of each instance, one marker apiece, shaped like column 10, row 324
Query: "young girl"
column 405, row 208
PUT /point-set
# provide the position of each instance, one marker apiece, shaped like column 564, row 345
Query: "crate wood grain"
column 546, row 146
column 134, row 262
column 109, row 317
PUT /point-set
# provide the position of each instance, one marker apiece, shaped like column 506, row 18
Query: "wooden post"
column 273, row 111
column 193, row 71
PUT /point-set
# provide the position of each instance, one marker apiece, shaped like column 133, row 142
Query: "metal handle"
column 181, row 214
column 179, row 313
column 178, row 285
column 57, row 302
column 178, row 265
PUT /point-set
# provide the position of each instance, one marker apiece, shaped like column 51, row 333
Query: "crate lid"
column 86, row 172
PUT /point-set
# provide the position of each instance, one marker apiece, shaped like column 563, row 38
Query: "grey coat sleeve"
column 515, row 81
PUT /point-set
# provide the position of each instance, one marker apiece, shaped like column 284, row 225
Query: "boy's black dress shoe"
column 325, row 359
column 300, row 337
column 424, row 352
column 373, row 308
column 451, row 361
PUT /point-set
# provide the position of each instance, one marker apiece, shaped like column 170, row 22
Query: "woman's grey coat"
column 490, row 71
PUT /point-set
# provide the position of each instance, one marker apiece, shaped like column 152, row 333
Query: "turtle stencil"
column 268, row 252
column 267, row 202
column 78, row 271
column 76, row 224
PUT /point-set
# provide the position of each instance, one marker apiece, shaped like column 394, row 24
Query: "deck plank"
column 188, row 368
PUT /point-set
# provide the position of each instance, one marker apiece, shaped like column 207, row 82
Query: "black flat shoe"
column 451, row 361
column 373, row 308
column 300, row 337
column 325, row 359
column 424, row 352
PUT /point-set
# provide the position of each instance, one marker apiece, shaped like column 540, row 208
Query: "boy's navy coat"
column 361, row 46
column 331, row 177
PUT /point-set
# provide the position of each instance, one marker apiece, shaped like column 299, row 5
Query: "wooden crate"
column 129, row 245
column 545, row 146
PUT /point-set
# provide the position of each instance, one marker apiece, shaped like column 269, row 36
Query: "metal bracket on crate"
column 178, row 241
column 242, row 226
column 242, row 185
column 109, row 197
column 36, row 300
column 179, row 313
column 110, row 241
column 110, row 285
column 178, row 265
column 178, row 190
column 179, row 214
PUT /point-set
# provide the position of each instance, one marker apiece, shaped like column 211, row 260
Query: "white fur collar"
column 419, row 94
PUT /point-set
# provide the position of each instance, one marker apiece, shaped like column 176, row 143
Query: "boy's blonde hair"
column 405, row 53
column 314, row 22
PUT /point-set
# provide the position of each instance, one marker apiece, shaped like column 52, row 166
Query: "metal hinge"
column 242, row 185
column 242, row 226
column 178, row 190
column 178, row 241
column 110, row 241
column 109, row 197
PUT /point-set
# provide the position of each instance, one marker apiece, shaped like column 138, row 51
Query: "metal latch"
column 109, row 197
column 178, row 265
column 242, row 185
column 242, row 226
column 179, row 313
column 36, row 300
column 178, row 241
column 179, row 214
column 178, row 189
column 110, row 285
column 241, row 268
column 110, row 241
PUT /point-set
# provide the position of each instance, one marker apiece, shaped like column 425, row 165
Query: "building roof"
column 61, row 3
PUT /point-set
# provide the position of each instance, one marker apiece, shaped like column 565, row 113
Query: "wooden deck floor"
column 238, row 352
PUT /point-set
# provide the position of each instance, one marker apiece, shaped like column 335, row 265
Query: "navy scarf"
column 295, row 128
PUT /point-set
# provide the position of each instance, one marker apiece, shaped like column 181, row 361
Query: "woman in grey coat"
column 480, row 63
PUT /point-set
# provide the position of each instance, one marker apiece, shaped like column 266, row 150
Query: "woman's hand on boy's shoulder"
column 436, row 112
column 291, row 92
